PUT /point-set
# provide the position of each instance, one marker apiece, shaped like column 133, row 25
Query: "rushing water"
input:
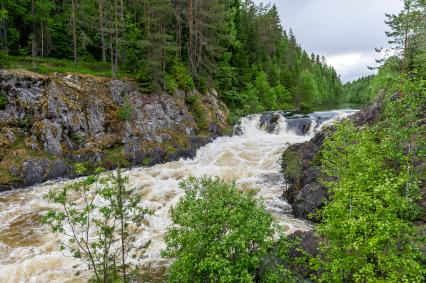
column 29, row 252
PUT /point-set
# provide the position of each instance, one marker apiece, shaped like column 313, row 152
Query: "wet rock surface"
column 52, row 122
column 301, row 165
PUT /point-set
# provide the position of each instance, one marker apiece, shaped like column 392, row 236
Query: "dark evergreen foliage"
column 235, row 46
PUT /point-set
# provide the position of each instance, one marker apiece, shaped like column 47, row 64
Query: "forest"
column 210, row 217
column 237, row 47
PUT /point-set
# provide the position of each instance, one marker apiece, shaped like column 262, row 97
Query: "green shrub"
column 202, row 85
column 292, row 165
column 190, row 100
column 4, row 60
column 146, row 161
column 182, row 77
column 144, row 81
column 198, row 111
column 3, row 102
column 125, row 111
column 200, row 116
column 220, row 234
column 368, row 223
column 171, row 85
column 107, row 209
column 77, row 137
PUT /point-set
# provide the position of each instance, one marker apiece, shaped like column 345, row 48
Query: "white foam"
column 252, row 159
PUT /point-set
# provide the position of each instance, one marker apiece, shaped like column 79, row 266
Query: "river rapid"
column 29, row 251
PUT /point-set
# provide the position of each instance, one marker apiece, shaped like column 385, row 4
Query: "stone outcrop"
column 51, row 122
column 301, row 165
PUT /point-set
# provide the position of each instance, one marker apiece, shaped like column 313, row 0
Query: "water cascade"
column 29, row 252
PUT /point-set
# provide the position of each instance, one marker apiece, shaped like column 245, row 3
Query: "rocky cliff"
column 51, row 123
column 301, row 165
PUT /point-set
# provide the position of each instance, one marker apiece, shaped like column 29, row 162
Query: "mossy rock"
column 292, row 167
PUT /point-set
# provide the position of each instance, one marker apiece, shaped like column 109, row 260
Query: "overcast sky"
column 345, row 31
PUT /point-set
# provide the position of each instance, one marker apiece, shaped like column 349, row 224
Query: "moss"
column 77, row 137
column 114, row 157
column 146, row 161
column 4, row 60
column 125, row 112
column 190, row 100
column 3, row 102
column 292, row 167
column 198, row 110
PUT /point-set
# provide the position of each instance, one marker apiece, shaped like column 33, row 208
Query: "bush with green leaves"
column 4, row 60
column 3, row 102
column 171, row 85
column 98, row 221
column 220, row 234
column 125, row 111
column 182, row 77
column 368, row 223
column 198, row 111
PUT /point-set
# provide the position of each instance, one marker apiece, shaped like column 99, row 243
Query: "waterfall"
column 29, row 252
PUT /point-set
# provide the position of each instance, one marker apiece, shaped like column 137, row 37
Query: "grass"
column 45, row 65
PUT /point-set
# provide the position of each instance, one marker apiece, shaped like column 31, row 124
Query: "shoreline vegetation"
column 361, row 182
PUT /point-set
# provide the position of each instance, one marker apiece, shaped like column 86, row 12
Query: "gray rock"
column 75, row 117
column 10, row 136
column 190, row 131
column 96, row 119
column 309, row 199
column 51, row 138
column 34, row 171
column 57, row 168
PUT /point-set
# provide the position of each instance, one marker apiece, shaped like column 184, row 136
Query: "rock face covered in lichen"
column 48, row 124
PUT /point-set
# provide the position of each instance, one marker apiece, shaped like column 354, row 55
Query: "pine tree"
column 404, row 28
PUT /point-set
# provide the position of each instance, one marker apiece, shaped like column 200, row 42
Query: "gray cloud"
column 339, row 29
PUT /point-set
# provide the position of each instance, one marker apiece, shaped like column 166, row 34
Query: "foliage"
column 77, row 137
column 4, row 60
column 368, row 222
column 220, row 235
column 125, row 112
column 198, row 110
column 191, row 99
column 171, row 85
column 406, row 33
column 358, row 91
column 366, row 89
column 114, row 157
column 99, row 218
column 182, row 77
column 236, row 46
column 3, row 102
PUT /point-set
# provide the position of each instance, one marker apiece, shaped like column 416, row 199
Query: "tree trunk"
column 163, row 57
column 4, row 34
column 74, row 31
column 101, row 30
column 33, row 41
column 123, row 236
column 111, row 39
column 123, row 51
column 178, row 33
column 190, row 13
column 406, row 31
column 116, row 39
column 42, row 38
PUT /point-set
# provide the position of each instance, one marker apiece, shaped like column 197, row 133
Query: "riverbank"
column 51, row 124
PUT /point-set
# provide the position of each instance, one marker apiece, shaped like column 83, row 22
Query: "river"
column 29, row 252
